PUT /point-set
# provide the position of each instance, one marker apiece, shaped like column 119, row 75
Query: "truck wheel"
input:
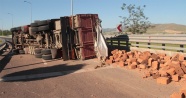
column 37, row 51
column 33, row 25
column 34, row 29
column 43, row 28
column 46, row 51
column 47, row 57
column 21, row 52
column 14, row 51
column 42, row 23
column 38, row 55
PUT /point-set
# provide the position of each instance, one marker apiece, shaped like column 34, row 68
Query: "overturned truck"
column 69, row 37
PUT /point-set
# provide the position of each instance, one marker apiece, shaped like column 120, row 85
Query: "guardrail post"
column 163, row 48
column 137, row 44
column 181, row 46
column 111, row 42
column 118, row 42
column 148, row 45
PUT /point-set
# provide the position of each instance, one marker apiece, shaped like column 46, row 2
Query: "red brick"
column 142, row 66
column 155, row 65
column 163, row 80
column 114, row 51
column 167, row 58
column 175, row 57
column 184, row 63
column 181, row 57
column 147, row 53
column 175, row 78
column 167, row 63
column 109, row 62
column 155, row 57
column 148, row 74
column 133, row 59
column 117, row 59
column 161, row 65
column 177, row 95
column 124, row 57
column 183, row 67
column 155, row 75
column 132, row 66
column 184, row 92
column 150, row 62
column 121, row 63
column 163, row 73
column 179, row 71
column 171, row 71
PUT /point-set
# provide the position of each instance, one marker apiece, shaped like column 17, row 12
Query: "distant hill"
column 158, row 28
column 167, row 28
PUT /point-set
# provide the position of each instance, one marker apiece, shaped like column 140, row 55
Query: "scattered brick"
column 175, row 78
column 155, row 57
column 155, row 65
column 171, row 71
column 179, row 71
column 181, row 57
column 163, row 80
column 183, row 67
column 177, row 95
column 109, row 62
column 142, row 66
column 150, row 62
column 121, row 63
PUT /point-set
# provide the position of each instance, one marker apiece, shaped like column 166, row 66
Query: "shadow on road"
column 5, row 61
column 42, row 73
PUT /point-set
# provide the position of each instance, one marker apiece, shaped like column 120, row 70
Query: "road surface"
column 27, row 77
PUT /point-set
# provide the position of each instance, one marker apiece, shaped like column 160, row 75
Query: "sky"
column 158, row 11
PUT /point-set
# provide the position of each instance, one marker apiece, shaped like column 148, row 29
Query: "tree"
column 135, row 22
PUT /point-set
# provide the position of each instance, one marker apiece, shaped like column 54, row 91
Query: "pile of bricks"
column 160, row 66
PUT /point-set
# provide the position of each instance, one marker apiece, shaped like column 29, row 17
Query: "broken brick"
column 175, row 78
column 171, row 71
column 155, row 57
column 179, row 71
column 181, row 57
column 177, row 95
column 150, row 62
column 155, row 65
column 163, row 80
column 121, row 63
column 109, row 62
column 142, row 66
column 155, row 75
column 183, row 67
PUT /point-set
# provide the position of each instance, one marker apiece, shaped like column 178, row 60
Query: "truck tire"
column 42, row 23
column 21, row 52
column 46, row 51
column 34, row 29
column 37, row 51
column 14, row 51
column 43, row 28
column 38, row 55
column 47, row 57
column 33, row 25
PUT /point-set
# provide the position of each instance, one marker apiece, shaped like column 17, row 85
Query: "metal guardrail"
column 2, row 45
column 171, row 42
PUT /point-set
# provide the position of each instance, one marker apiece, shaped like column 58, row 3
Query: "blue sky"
column 158, row 11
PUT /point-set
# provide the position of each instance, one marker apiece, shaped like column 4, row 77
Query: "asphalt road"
column 76, row 79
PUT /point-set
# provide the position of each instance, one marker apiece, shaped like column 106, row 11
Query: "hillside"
column 167, row 28
column 158, row 28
